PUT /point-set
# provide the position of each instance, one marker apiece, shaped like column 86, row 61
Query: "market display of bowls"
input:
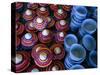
column 52, row 37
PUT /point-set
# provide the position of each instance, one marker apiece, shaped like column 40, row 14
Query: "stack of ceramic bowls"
column 89, row 42
column 42, row 55
column 45, row 36
column 29, row 26
column 48, row 37
column 29, row 40
column 76, row 55
column 60, row 14
column 40, row 23
column 58, row 51
column 28, row 15
column 55, row 66
column 21, row 61
column 78, row 14
column 88, row 27
column 69, row 40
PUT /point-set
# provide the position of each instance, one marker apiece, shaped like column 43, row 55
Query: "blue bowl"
column 89, row 42
column 77, row 53
column 88, row 27
column 69, row 40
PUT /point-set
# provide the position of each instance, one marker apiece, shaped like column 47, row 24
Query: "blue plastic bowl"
column 69, row 40
column 89, row 26
column 89, row 42
column 77, row 53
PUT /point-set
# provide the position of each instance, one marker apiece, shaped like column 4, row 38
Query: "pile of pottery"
column 81, row 45
column 54, row 37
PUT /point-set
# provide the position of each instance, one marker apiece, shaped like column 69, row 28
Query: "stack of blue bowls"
column 69, row 40
column 78, row 14
column 81, row 46
column 88, row 26
column 89, row 42
column 76, row 56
